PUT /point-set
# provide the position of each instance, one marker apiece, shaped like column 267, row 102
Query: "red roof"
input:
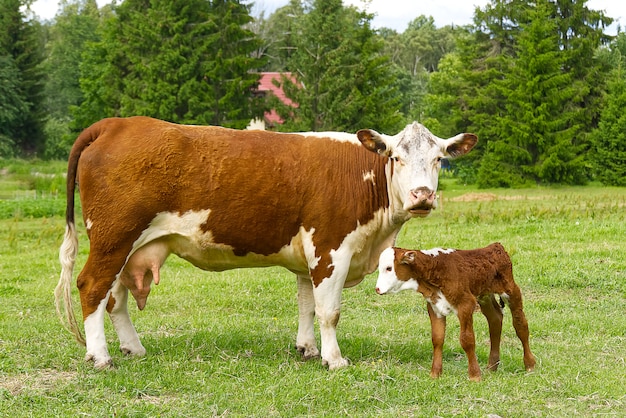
column 266, row 84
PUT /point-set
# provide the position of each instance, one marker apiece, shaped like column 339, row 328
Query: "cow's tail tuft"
column 63, row 291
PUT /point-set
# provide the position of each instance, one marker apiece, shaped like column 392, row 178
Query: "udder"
column 142, row 268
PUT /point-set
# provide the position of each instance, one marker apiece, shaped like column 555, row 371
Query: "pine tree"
column 539, row 127
column 181, row 61
column 608, row 152
column 21, row 51
column 343, row 81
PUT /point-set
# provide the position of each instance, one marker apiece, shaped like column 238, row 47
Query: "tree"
column 539, row 127
column 343, row 81
column 21, row 53
column 194, row 65
column 75, row 25
column 608, row 152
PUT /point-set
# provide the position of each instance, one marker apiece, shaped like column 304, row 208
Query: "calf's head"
column 395, row 272
column 418, row 154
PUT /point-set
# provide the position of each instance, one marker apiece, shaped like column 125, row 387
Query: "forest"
column 540, row 82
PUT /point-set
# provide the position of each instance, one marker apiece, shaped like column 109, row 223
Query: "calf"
column 454, row 281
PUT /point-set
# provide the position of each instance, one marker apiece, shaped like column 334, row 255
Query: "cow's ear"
column 373, row 141
column 407, row 257
column 460, row 144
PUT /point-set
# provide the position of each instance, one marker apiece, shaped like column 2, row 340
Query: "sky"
column 396, row 14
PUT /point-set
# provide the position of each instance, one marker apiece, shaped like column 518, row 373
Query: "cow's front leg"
column 305, row 342
column 118, row 311
column 327, row 308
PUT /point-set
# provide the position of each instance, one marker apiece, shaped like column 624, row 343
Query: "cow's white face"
column 417, row 154
column 388, row 281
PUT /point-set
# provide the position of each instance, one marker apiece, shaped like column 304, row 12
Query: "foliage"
column 609, row 140
column 21, row 80
column 342, row 81
column 194, row 66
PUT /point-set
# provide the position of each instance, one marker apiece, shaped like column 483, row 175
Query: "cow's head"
column 394, row 273
column 418, row 154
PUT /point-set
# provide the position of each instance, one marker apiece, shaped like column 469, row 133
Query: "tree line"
column 539, row 82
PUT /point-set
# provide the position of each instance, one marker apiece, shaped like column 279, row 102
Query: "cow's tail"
column 69, row 247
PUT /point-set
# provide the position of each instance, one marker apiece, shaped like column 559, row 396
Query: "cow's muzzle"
column 421, row 201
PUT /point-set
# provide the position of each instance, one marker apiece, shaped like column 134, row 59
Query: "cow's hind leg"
column 305, row 342
column 94, row 285
column 118, row 311
column 493, row 312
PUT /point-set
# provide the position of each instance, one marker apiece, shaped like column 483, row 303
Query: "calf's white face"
column 388, row 281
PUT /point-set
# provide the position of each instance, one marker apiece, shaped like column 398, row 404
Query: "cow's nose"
column 423, row 195
column 378, row 291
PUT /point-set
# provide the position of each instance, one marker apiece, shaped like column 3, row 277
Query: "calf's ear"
column 407, row 257
column 373, row 141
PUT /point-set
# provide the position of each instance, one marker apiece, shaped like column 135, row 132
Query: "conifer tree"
column 343, row 80
column 181, row 61
column 21, row 54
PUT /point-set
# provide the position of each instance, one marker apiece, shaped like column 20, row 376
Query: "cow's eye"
column 388, row 268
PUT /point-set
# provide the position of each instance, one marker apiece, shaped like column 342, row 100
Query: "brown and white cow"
column 322, row 205
column 454, row 281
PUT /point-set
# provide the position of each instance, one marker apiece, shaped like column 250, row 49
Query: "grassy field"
column 222, row 344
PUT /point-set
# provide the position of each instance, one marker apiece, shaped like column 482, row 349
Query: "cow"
column 456, row 281
column 322, row 205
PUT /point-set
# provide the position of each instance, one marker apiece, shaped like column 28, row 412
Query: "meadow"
column 222, row 344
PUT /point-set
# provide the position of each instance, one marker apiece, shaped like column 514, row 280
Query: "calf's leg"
column 438, row 335
column 467, row 338
column 493, row 312
column 521, row 326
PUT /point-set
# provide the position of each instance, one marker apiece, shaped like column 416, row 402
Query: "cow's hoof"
column 128, row 350
column 308, row 352
column 336, row 364
column 100, row 363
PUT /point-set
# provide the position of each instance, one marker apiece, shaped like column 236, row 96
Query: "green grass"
column 221, row 344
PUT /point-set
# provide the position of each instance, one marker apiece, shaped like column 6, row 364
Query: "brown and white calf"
column 454, row 281
column 322, row 204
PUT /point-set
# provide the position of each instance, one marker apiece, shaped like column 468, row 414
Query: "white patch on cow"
column 388, row 281
column 308, row 247
column 95, row 338
column 88, row 224
column 369, row 176
column 434, row 252
column 442, row 307
column 184, row 237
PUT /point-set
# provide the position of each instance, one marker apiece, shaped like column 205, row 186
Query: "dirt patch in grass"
column 487, row 197
column 41, row 381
